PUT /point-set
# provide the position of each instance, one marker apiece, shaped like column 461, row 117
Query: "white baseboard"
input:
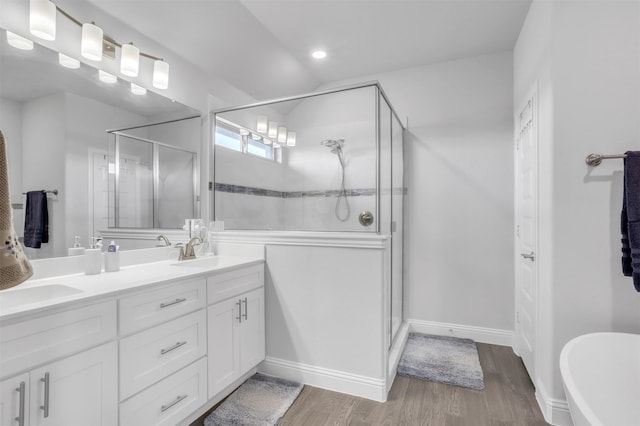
column 338, row 381
column 492, row 336
column 555, row 411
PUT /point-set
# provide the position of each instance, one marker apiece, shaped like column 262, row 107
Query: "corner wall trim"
column 334, row 380
column 492, row 336
column 555, row 411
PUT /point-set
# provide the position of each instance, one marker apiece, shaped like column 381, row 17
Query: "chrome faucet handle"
column 163, row 238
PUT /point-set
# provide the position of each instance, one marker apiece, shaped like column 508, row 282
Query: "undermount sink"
column 601, row 378
column 202, row 262
column 16, row 297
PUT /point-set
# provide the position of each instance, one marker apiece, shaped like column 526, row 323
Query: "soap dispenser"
column 93, row 258
column 77, row 249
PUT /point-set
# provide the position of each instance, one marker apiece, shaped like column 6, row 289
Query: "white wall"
column 459, row 174
column 589, row 100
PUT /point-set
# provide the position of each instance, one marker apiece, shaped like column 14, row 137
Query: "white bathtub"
column 601, row 376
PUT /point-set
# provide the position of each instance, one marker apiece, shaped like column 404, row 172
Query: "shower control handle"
column 366, row 218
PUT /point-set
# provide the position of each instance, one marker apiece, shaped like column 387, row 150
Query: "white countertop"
column 109, row 284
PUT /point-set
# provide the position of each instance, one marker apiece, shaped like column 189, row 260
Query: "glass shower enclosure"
column 329, row 161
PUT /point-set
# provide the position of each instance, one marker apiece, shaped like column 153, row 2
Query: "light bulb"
column 282, row 134
column 91, row 44
column 68, row 62
column 263, row 124
column 319, row 54
column 19, row 42
column 42, row 19
column 138, row 90
column 160, row 74
column 105, row 77
column 129, row 60
column 273, row 129
column 291, row 139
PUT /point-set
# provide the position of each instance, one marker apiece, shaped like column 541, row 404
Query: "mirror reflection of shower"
column 335, row 146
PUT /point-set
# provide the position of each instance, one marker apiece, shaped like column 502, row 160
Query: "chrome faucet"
column 161, row 237
column 187, row 252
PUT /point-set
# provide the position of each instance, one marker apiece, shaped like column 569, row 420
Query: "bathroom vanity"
column 157, row 343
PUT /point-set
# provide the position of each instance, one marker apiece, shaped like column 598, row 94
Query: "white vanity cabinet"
column 58, row 386
column 236, row 329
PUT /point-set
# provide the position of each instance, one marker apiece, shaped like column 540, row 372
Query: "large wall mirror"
column 61, row 124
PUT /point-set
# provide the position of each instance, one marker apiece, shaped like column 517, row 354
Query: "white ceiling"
column 263, row 46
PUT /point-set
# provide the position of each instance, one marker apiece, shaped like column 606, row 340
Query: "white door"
column 14, row 400
column 252, row 330
column 223, row 344
column 526, row 233
column 81, row 390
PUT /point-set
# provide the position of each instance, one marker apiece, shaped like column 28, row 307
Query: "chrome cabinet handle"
column 20, row 418
column 45, row 407
column 168, row 405
column 164, row 305
column 176, row 346
column 530, row 256
column 245, row 309
column 239, row 317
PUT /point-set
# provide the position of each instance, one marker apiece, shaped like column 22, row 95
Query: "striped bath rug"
column 442, row 359
column 260, row 401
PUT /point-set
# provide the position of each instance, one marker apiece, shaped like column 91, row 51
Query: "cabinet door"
column 252, row 330
column 14, row 400
column 223, row 344
column 82, row 390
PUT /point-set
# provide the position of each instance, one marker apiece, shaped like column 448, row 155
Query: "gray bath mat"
column 442, row 359
column 260, row 401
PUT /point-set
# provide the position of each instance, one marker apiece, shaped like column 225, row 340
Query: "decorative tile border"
column 247, row 190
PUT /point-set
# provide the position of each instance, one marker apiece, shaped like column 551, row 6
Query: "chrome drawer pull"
column 176, row 346
column 45, row 407
column 246, row 308
column 164, row 305
column 165, row 407
column 20, row 418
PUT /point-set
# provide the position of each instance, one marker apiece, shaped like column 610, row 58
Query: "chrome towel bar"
column 595, row 159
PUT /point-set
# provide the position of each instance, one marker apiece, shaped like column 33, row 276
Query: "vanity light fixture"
column 19, row 42
column 319, row 54
column 138, row 90
column 42, row 19
column 244, row 132
column 68, row 62
column 160, row 74
column 266, row 141
column 273, row 129
column 282, row 134
column 129, row 60
column 91, row 42
column 106, row 77
column 263, row 124
column 256, row 137
column 276, row 146
column 291, row 139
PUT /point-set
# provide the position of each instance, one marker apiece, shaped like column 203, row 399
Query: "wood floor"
column 507, row 399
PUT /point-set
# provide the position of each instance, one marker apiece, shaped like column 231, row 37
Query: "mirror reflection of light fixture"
column 273, row 129
column 160, row 74
column 105, row 77
column 282, row 134
column 18, row 41
column 91, row 43
column 256, row 137
column 291, row 139
column 129, row 60
column 266, row 141
column 68, row 62
column 42, row 19
column 138, row 90
column 263, row 123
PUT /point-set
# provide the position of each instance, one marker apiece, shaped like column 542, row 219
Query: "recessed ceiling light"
column 319, row 54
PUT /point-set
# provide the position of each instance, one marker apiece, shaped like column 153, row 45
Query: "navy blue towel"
column 36, row 220
column 630, row 218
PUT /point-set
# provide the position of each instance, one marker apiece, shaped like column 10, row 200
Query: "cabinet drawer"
column 153, row 354
column 36, row 341
column 229, row 284
column 144, row 310
column 169, row 401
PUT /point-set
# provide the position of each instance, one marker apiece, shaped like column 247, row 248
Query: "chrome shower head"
column 335, row 145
